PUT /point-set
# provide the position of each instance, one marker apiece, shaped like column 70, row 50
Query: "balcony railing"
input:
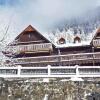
column 58, row 58
column 44, row 47
column 96, row 43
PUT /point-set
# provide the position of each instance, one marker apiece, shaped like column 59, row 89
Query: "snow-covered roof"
column 83, row 43
column 69, row 37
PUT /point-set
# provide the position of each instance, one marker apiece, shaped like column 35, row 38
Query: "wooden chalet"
column 30, row 43
column 31, row 49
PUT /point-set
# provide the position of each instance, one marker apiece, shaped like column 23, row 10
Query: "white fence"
column 50, row 71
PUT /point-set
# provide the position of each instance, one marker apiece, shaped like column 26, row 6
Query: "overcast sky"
column 42, row 14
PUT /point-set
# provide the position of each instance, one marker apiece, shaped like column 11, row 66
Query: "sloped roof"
column 77, row 37
column 31, row 29
column 97, row 31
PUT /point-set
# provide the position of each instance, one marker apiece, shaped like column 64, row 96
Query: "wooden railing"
column 50, row 71
column 58, row 58
column 96, row 43
column 44, row 47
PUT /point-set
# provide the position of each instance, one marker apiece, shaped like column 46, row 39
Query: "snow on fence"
column 51, row 71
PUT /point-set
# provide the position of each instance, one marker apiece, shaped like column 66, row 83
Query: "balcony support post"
column 93, row 56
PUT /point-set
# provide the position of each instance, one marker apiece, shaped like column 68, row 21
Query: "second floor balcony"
column 96, row 43
column 30, row 48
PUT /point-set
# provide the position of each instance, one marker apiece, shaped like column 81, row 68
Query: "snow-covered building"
column 30, row 48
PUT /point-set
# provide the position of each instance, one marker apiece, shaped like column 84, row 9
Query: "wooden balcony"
column 96, row 43
column 68, row 59
column 30, row 48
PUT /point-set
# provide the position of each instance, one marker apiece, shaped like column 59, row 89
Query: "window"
column 77, row 39
column 61, row 41
column 29, row 35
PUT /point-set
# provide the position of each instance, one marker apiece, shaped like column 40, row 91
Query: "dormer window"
column 29, row 35
column 77, row 39
column 61, row 41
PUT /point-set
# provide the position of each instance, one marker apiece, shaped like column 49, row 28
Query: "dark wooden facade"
column 30, row 48
column 30, row 35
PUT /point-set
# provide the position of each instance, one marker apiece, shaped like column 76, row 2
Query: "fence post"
column 19, row 70
column 49, row 70
column 77, row 71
